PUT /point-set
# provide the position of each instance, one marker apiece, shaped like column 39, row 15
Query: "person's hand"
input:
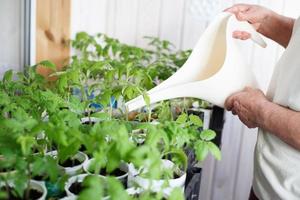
column 256, row 15
column 248, row 105
column 270, row 24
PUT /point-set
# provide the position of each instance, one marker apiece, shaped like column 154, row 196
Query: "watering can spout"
column 214, row 70
column 180, row 91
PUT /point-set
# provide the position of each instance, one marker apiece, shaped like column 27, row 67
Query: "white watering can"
column 214, row 70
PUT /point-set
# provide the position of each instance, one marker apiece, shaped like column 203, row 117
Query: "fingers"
column 243, row 16
column 229, row 103
column 238, row 8
column 242, row 35
column 230, row 100
column 241, row 11
column 243, row 115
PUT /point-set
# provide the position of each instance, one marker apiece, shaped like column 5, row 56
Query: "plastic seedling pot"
column 121, row 173
column 78, row 179
column 38, row 190
column 81, row 158
column 135, row 178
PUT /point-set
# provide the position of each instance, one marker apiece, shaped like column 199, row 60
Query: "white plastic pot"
column 33, row 185
column 123, row 167
column 71, row 171
column 74, row 179
column 138, row 136
column 138, row 191
column 39, row 186
column 134, row 178
column 89, row 119
column 69, row 198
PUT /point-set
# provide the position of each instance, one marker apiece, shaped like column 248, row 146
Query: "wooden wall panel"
column 53, row 31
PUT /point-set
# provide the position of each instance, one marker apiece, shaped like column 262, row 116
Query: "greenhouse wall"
column 10, row 35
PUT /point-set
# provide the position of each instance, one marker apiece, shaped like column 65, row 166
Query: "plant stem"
column 27, row 191
column 126, row 114
column 149, row 113
column 184, row 107
column 110, row 110
column 68, row 95
column 7, row 188
column 89, row 117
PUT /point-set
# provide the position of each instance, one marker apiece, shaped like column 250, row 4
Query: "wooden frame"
column 53, row 24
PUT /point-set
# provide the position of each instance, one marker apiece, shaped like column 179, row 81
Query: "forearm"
column 282, row 122
column 280, row 28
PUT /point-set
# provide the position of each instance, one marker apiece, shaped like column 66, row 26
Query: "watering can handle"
column 255, row 36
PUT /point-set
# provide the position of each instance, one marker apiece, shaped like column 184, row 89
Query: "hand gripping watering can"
column 214, row 70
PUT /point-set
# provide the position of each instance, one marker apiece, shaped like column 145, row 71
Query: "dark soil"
column 175, row 175
column 70, row 163
column 33, row 194
column 64, row 108
column 41, row 178
column 117, row 172
column 2, row 170
column 89, row 123
column 82, row 148
column 76, row 188
column 152, row 195
column 38, row 178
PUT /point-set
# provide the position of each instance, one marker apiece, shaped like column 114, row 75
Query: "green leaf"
column 201, row 150
column 101, row 115
column 58, row 73
column 116, row 190
column 207, row 135
column 114, row 158
column 48, row 64
column 196, row 120
column 182, row 118
column 105, row 98
column 4, row 99
column 3, row 195
column 94, row 188
column 26, row 142
column 146, row 98
column 129, row 92
column 214, row 150
column 176, row 194
column 7, row 77
column 179, row 157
